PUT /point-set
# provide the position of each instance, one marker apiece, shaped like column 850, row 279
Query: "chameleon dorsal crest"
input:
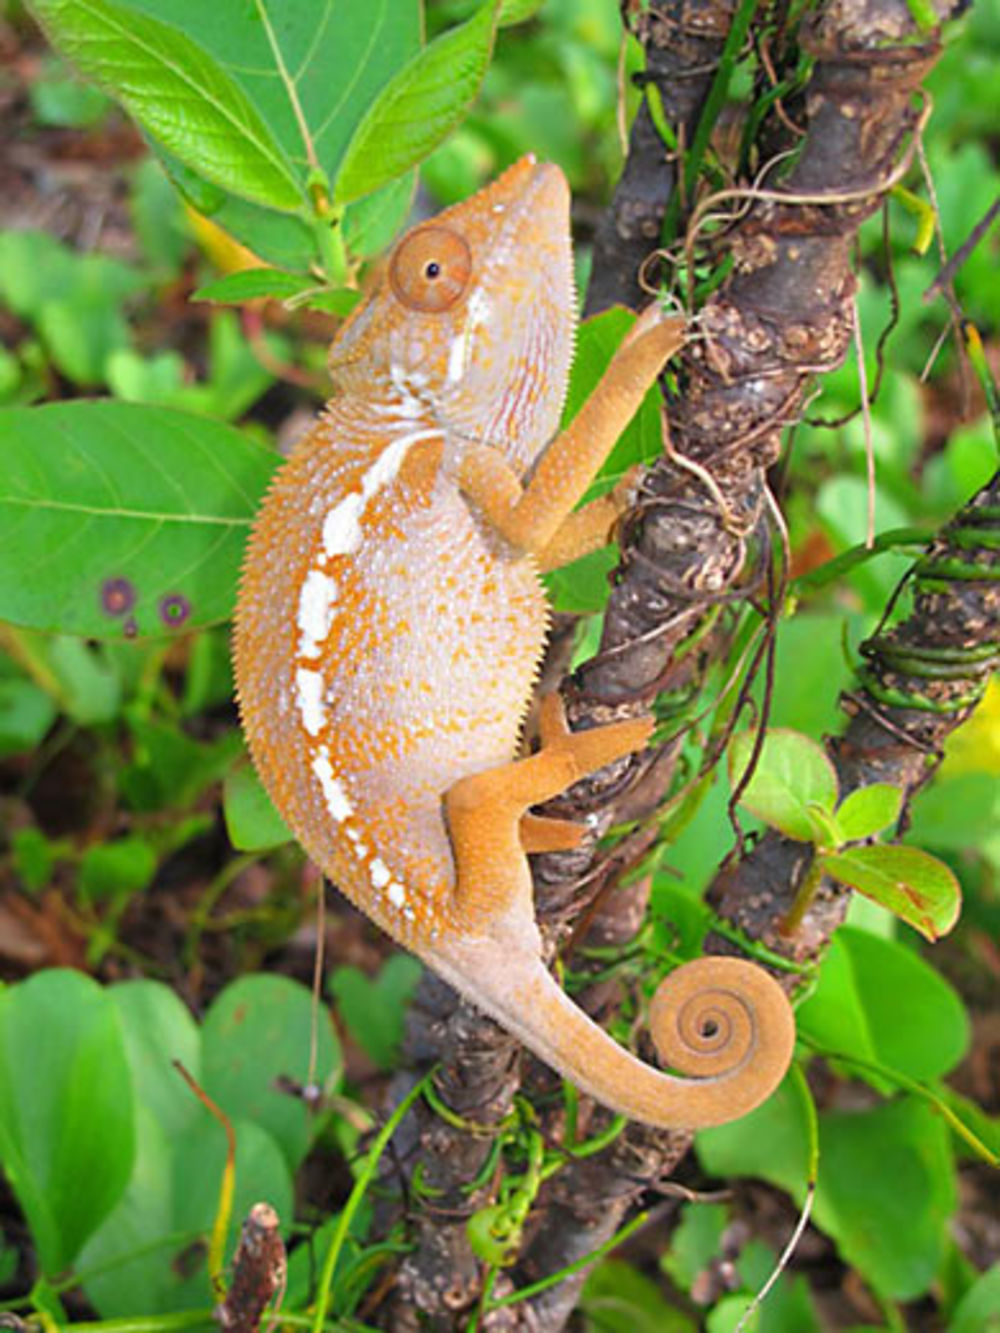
column 391, row 623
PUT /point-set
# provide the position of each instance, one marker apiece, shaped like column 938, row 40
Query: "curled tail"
column 723, row 1022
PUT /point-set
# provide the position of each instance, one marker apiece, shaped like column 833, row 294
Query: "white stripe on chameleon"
column 380, row 873
column 309, row 698
column 342, row 525
column 456, row 356
column 480, row 309
column 316, row 602
column 337, row 800
column 397, row 894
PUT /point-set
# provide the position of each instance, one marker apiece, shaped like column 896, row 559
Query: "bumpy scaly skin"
column 391, row 623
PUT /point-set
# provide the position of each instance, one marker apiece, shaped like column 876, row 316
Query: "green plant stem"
column 913, row 1086
column 805, row 893
column 553, row 1279
column 361, row 1185
column 215, row 890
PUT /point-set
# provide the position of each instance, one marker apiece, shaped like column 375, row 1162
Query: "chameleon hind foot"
column 487, row 813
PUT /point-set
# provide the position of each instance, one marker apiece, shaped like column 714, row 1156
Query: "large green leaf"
column 886, row 1192
column 417, row 110
column 310, row 69
column 881, row 1002
column 150, row 1253
column 66, row 1109
column 119, row 520
column 258, row 1031
column 178, row 92
column 771, row 1142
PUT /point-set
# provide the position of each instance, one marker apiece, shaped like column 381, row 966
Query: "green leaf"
column 117, row 520
column 158, row 1030
column 771, row 1142
column 919, row 888
column 419, row 107
column 517, row 11
column 583, row 585
column 177, row 91
column 116, row 869
column 258, row 1031
column 695, row 1242
column 374, row 1011
column 59, row 99
column 252, row 822
column 152, row 1248
column 792, row 773
column 198, row 1161
column 66, row 1109
column 310, row 68
column 879, row 1001
column 169, row 769
column 868, row 811
column 132, row 1240
column 339, row 301
column 979, row 1309
column 252, row 283
column 80, row 335
column 34, row 857
column 620, row 1299
column 886, row 1192
column 26, row 713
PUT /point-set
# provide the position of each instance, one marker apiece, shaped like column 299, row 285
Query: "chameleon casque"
column 391, row 624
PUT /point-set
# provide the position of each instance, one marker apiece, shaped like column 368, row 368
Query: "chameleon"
column 391, row 621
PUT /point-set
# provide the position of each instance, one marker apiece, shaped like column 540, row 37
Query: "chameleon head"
column 485, row 286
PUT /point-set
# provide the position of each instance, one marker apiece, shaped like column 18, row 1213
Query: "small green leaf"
column 419, row 107
column 66, row 1109
column 252, row 283
column 339, row 301
column 258, row 1032
column 178, row 92
column 116, row 869
column 252, row 822
column 59, row 100
column 374, row 1011
column 868, row 811
column 34, row 857
column 917, row 887
column 118, row 520
column 695, row 1242
column 792, row 774
column 26, row 713
column 169, row 769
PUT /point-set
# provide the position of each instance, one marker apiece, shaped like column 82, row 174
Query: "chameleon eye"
column 430, row 269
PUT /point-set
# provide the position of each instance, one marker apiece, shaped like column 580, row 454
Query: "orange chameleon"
column 391, row 622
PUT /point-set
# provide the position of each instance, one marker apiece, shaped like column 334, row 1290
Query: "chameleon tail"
column 724, row 1022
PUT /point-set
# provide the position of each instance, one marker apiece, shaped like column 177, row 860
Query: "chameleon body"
column 391, row 623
